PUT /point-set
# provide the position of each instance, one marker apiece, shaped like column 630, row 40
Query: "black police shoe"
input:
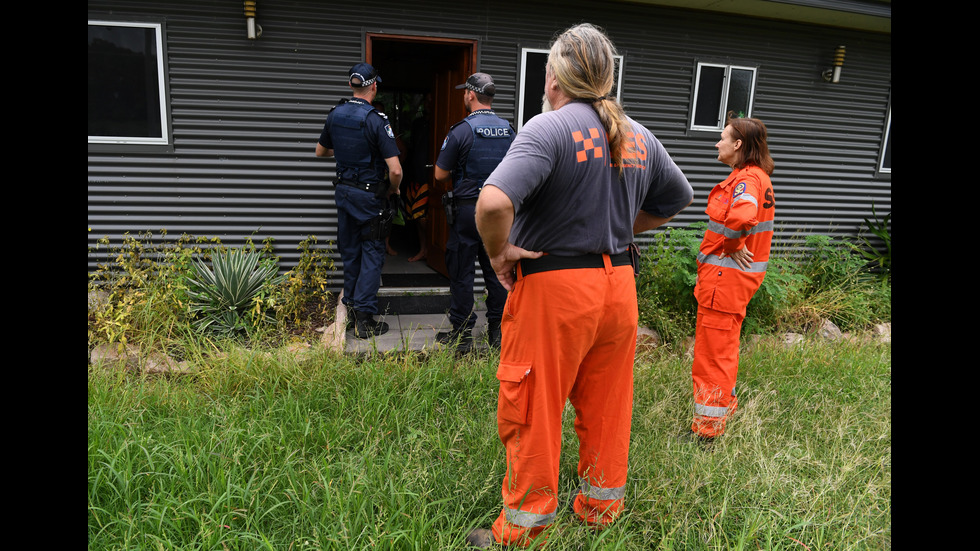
column 350, row 317
column 461, row 339
column 689, row 435
column 493, row 335
column 365, row 325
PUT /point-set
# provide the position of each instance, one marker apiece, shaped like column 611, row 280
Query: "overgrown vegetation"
column 231, row 298
column 400, row 452
column 157, row 292
column 162, row 294
column 818, row 278
column 323, row 451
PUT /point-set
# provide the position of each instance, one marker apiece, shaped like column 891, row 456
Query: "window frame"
column 886, row 144
column 723, row 103
column 523, row 82
column 165, row 140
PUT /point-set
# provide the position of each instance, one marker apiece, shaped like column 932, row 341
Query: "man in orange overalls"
column 731, row 266
column 578, row 181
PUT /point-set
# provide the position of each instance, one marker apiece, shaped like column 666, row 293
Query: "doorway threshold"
column 414, row 300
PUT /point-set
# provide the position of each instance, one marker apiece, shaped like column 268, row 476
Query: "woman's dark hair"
column 755, row 148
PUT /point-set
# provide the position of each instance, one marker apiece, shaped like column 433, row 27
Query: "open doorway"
column 419, row 75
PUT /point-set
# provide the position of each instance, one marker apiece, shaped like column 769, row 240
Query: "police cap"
column 481, row 83
column 364, row 74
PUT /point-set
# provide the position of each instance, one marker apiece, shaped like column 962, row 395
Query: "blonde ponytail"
column 582, row 59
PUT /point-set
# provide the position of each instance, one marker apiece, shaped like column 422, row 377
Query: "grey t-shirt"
column 569, row 199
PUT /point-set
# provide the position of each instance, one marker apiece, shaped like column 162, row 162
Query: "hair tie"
column 600, row 98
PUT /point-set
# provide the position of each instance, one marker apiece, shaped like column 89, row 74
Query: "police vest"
column 357, row 160
column 492, row 137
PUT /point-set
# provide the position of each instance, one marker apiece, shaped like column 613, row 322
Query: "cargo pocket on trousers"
column 512, row 404
column 718, row 320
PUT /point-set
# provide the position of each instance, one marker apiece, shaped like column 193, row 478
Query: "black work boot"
column 350, row 316
column 481, row 538
column 365, row 326
column 493, row 334
column 460, row 338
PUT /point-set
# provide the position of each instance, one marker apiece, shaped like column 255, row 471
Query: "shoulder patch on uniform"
column 388, row 130
column 444, row 142
column 739, row 189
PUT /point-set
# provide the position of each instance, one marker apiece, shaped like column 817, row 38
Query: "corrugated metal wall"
column 247, row 113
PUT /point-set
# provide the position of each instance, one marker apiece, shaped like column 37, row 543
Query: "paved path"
column 412, row 332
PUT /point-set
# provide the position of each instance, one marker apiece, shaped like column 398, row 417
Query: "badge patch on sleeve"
column 392, row 135
column 444, row 142
column 739, row 189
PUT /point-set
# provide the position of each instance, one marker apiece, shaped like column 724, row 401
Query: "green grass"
column 400, row 451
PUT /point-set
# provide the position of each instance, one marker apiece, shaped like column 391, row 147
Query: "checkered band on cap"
column 481, row 83
column 365, row 73
column 364, row 80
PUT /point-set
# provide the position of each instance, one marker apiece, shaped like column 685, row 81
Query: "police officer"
column 470, row 152
column 361, row 139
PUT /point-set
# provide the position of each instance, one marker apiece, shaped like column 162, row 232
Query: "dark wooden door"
column 448, row 109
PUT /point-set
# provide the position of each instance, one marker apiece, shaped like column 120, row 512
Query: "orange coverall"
column 740, row 213
column 584, row 348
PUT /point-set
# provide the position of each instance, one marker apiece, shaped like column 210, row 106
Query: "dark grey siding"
column 247, row 113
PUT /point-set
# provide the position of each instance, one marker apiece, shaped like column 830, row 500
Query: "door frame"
column 448, row 109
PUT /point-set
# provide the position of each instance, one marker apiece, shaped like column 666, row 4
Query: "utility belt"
column 378, row 188
column 549, row 262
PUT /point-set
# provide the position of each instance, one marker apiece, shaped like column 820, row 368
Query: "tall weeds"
column 818, row 277
column 155, row 293
column 400, row 451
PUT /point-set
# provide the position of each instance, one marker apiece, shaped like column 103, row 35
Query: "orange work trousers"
column 566, row 335
column 715, row 367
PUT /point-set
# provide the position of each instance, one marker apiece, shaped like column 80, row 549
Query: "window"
column 531, row 90
column 885, row 167
column 126, row 85
column 719, row 89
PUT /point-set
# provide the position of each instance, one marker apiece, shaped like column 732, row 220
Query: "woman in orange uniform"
column 731, row 266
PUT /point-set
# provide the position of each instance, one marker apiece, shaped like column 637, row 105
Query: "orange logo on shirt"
column 634, row 147
column 588, row 144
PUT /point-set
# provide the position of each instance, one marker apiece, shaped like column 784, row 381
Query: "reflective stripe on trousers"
column 567, row 336
column 714, row 370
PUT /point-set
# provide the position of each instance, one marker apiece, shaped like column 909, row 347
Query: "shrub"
column 141, row 289
column 833, row 284
column 665, row 285
column 231, row 299
column 766, row 312
column 304, row 290
column 879, row 260
column 820, row 278
column 140, row 292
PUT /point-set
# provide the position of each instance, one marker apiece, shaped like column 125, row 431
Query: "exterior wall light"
column 254, row 30
column 832, row 75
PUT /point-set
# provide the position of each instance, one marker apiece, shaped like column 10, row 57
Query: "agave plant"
column 880, row 260
column 223, row 298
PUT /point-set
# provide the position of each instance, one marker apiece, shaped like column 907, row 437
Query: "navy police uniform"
column 361, row 139
column 471, row 150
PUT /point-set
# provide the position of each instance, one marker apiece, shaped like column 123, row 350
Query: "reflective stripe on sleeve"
column 735, row 234
column 727, row 262
column 746, row 197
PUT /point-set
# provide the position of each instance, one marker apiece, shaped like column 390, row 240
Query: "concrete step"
column 413, row 300
column 420, row 300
